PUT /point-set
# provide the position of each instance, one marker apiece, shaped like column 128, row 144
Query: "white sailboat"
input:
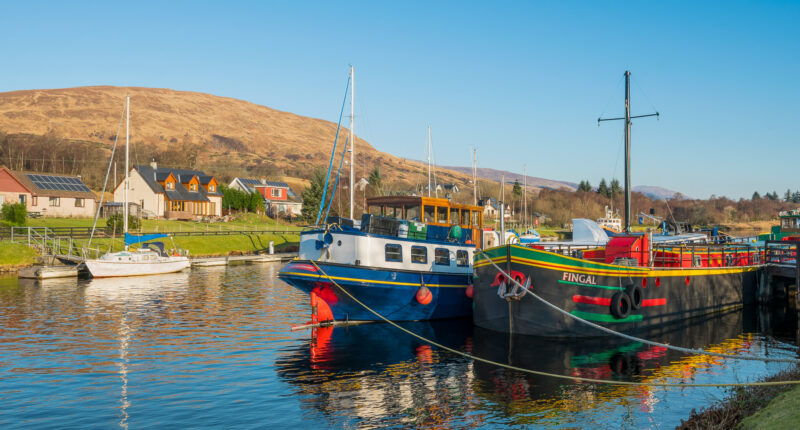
column 152, row 260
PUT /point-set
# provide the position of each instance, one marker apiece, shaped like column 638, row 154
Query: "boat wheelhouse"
column 789, row 227
column 410, row 258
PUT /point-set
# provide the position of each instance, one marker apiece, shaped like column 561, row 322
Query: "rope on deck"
column 539, row 373
column 634, row 338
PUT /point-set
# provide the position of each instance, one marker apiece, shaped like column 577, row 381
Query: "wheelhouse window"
column 453, row 216
column 441, row 257
column 412, row 213
column 441, row 215
column 78, row 203
column 430, row 213
column 462, row 258
column 55, row 201
column 419, row 254
column 465, row 217
column 394, row 252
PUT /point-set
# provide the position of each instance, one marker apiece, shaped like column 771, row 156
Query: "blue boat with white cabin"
column 409, row 259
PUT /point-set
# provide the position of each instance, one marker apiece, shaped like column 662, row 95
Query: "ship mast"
column 127, row 175
column 627, row 119
column 429, row 160
column 352, row 140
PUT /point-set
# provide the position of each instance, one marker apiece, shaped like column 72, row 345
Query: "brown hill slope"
column 227, row 137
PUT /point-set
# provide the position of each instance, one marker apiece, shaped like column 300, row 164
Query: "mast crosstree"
column 627, row 119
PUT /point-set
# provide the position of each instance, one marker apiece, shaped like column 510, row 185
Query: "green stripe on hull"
column 589, row 316
column 589, row 285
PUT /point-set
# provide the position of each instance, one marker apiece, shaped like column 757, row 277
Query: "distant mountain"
column 510, row 177
column 654, row 192
column 496, row 175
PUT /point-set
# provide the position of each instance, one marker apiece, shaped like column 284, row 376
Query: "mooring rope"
column 634, row 338
column 536, row 372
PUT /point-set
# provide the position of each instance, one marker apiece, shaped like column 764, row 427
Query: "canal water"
column 213, row 348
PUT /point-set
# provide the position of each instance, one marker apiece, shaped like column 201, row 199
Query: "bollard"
column 271, row 247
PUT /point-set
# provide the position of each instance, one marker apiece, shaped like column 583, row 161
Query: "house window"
column 34, row 201
column 441, row 256
column 55, row 201
column 22, row 198
column 394, row 252
column 212, row 188
column 276, row 192
column 419, row 254
column 170, row 185
column 193, row 187
column 462, row 258
column 78, row 203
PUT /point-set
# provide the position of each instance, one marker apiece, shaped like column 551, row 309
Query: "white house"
column 172, row 193
column 47, row 194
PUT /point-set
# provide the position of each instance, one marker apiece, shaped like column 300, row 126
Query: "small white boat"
column 530, row 236
column 140, row 262
column 150, row 260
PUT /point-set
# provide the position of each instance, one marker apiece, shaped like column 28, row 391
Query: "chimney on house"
column 153, row 164
column 263, row 180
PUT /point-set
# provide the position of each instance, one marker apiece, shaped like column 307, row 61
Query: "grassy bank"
column 211, row 246
column 242, row 222
column 763, row 407
column 14, row 255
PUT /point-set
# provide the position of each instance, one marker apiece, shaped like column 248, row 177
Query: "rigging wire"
column 333, row 153
column 634, row 338
column 108, row 171
column 536, row 372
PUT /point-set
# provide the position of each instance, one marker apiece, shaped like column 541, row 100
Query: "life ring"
column 620, row 305
column 636, row 294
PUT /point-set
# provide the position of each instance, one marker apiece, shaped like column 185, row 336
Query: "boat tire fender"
column 620, row 305
column 636, row 294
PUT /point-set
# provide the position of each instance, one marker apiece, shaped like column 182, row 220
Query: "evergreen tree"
column 788, row 196
column 585, row 186
column 517, row 190
column 756, row 196
column 796, row 197
column 312, row 196
column 603, row 189
column 615, row 187
column 375, row 181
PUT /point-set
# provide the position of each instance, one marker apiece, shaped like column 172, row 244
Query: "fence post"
column 29, row 236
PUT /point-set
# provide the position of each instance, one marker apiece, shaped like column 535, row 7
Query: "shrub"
column 14, row 213
column 114, row 223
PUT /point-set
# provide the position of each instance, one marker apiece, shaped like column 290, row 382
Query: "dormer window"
column 170, row 185
column 212, row 188
column 193, row 187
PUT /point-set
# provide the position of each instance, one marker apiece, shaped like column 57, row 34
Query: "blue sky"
column 522, row 81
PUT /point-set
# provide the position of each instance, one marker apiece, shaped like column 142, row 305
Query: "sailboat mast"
column 429, row 160
column 352, row 141
column 627, row 151
column 524, row 196
column 127, row 152
column 475, row 176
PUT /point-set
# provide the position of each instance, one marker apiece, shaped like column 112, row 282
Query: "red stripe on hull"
column 591, row 300
column 654, row 302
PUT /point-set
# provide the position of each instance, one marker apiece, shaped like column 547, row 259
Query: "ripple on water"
column 212, row 348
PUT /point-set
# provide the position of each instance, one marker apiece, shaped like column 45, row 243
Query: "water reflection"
column 374, row 372
column 212, row 348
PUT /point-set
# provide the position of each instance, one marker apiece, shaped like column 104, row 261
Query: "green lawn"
column 783, row 412
column 207, row 246
column 16, row 254
column 243, row 222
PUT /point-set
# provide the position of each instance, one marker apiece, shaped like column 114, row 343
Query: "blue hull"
column 390, row 293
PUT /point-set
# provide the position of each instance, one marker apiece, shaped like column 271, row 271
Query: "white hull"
column 108, row 268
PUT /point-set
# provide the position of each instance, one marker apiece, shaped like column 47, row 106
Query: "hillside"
column 510, row 177
column 224, row 136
